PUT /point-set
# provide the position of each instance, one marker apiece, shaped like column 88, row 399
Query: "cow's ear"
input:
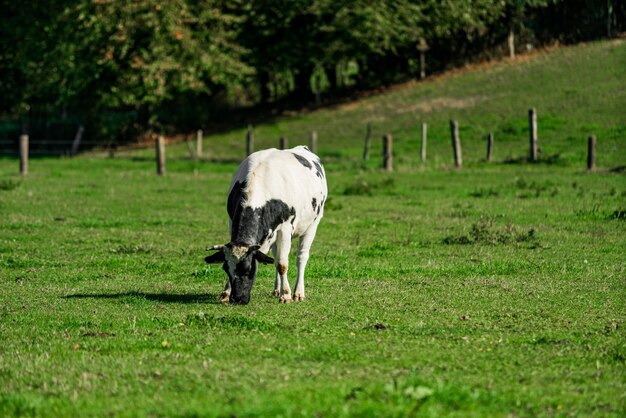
column 263, row 258
column 218, row 257
column 253, row 248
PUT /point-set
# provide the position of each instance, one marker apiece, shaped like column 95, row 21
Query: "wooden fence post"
column 511, row 42
column 77, row 139
column 368, row 140
column 283, row 142
column 249, row 140
column 456, row 144
column 424, row 134
column 313, row 142
column 532, row 125
column 422, row 47
column 199, row 143
column 591, row 154
column 160, row 155
column 489, row 146
column 23, row 155
column 192, row 152
column 388, row 152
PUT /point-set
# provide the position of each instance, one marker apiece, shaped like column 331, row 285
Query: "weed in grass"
column 552, row 159
column 8, row 184
column 619, row 214
column 131, row 249
column 487, row 233
column 365, row 188
column 534, row 189
column 592, row 213
column 485, row 192
column 461, row 211
column 241, row 323
column 332, row 204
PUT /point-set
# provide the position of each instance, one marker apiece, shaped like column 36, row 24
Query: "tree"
column 94, row 55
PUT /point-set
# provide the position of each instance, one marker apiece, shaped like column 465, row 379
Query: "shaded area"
column 156, row 297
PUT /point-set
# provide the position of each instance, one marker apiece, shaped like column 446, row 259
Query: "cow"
column 274, row 195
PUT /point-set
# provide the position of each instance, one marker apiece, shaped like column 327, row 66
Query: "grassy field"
column 495, row 290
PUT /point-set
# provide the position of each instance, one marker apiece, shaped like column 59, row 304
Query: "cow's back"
column 294, row 177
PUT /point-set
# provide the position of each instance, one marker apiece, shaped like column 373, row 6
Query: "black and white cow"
column 274, row 195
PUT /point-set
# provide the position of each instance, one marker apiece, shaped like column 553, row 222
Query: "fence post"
column 511, row 42
column 424, row 134
column 77, row 139
column 388, row 152
column 283, row 142
column 160, row 155
column 249, row 140
column 199, row 144
column 23, row 155
column 532, row 124
column 368, row 140
column 422, row 47
column 456, row 144
column 313, row 142
column 489, row 146
column 192, row 152
column 591, row 154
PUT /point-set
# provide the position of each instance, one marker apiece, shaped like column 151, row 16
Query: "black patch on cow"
column 252, row 226
column 314, row 203
column 318, row 169
column 319, row 208
column 236, row 197
column 302, row 160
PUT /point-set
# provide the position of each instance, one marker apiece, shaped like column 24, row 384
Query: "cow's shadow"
column 156, row 297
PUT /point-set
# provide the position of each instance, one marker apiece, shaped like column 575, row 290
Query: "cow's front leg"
column 225, row 296
column 283, row 245
column 302, row 258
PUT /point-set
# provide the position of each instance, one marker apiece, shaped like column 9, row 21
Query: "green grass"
column 496, row 290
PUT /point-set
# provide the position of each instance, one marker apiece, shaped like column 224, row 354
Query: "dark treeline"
column 120, row 68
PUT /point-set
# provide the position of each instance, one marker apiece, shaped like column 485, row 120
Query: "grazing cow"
column 274, row 195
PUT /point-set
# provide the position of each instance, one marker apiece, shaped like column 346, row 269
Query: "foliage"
column 102, row 54
column 122, row 67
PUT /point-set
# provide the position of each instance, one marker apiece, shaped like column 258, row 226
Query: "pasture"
column 494, row 290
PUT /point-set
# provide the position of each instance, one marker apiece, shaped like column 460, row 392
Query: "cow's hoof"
column 224, row 297
column 276, row 293
column 285, row 299
column 298, row 298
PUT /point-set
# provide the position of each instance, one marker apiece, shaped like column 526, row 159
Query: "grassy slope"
column 110, row 310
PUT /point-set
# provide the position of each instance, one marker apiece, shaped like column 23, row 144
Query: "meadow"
column 498, row 289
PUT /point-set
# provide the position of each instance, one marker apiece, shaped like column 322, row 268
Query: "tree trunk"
column 331, row 74
column 263, row 79
column 302, row 84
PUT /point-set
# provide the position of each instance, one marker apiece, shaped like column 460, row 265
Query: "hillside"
column 576, row 90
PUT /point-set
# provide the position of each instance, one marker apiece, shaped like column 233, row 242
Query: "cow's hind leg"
column 303, row 257
column 283, row 245
column 276, row 276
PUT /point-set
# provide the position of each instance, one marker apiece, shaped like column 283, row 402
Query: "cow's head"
column 240, row 263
